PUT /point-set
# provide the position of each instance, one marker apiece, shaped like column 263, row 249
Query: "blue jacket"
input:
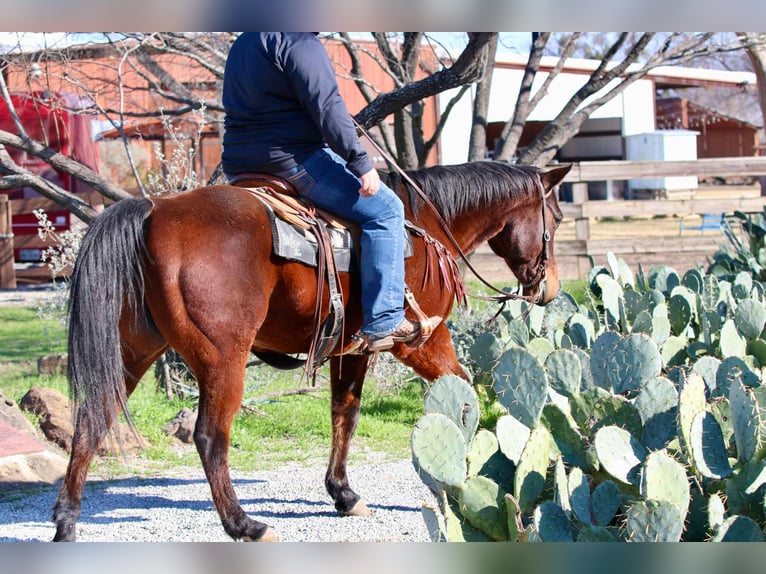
column 282, row 104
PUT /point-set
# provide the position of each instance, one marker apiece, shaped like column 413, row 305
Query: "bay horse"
column 195, row 271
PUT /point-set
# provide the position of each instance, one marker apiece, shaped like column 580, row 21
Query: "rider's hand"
column 370, row 183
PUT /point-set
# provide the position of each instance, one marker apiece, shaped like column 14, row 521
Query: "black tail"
column 107, row 275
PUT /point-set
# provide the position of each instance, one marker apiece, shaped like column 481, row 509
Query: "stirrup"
column 423, row 330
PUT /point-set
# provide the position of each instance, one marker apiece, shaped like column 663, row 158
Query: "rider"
column 285, row 116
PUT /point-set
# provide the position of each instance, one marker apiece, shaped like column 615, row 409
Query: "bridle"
column 540, row 278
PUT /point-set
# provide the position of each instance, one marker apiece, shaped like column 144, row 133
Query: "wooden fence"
column 583, row 211
column 7, row 272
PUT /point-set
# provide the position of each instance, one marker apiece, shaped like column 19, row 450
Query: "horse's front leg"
column 435, row 358
column 347, row 378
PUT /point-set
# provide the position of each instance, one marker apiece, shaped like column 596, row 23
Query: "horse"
column 194, row 271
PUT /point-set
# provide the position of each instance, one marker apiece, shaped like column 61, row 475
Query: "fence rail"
column 582, row 210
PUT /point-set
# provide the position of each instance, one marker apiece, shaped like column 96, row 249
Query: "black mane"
column 455, row 188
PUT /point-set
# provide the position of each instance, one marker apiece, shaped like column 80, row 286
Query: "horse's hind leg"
column 221, row 390
column 69, row 502
column 347, row 378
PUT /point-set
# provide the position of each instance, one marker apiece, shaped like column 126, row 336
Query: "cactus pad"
column 579, row 496
column 708, row 449
column 438, row 448
column 732, row 343
column 482, row 504
column 635, row 360
column 750, row 317
column 512, row 436
column 739, row 529
column 654, row 521
column 745, row 418
column 619, row 453
column 521, row 385
column 657, row 405
column 663, row 478
column 564, row 372
column 529, row 481
column 453, row 397
column 552, row 523
column 605, row 501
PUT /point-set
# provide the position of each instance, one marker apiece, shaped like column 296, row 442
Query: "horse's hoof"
column 268, row 536
column 359, row 509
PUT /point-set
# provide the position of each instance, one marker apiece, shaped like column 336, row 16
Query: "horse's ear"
column 553, row 177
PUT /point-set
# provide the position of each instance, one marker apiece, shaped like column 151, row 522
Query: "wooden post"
column 582, row 228
column 7, row 272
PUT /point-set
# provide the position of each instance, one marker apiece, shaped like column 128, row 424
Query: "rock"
column 11, row 414
column 27, row 468
column 56, row 421
column 54, row 412
column 49, row 365
column 24, row 470
column 182, row 426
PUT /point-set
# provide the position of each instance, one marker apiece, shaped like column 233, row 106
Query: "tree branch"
column 19, row 177
column 63, row 163
column 465, row 70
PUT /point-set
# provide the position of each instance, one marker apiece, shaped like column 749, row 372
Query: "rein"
column 503, row 296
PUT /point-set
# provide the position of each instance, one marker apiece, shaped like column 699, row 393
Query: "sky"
column 510, row 42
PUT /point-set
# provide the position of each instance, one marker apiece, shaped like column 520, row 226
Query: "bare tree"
column 477, row 143
column 400, row 56
column 628, row 58
column 755, row 46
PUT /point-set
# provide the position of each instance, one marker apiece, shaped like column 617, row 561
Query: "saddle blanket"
column 296, row 244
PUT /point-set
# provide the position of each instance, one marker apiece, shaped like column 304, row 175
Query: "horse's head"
column 526, row 240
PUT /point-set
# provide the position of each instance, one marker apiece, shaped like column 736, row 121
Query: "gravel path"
column 178, row 507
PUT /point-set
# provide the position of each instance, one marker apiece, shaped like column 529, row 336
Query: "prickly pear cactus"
column 564, row 372
column 657, row 404
column 750, row 318
column 605, row 502
column 739, row 529
column 601, row 356
column 482, row 503
column 439, row 449
column 634, row 361
column 564, row 432
column 732, row 343
column 532, row 469
column 454, row 398
column 638, row 415
column 552, row 523
column 663, row 478
column 708, row 449
column 654, row 521
column 521, row 385
column 679, row 314
column 746, row 420
column 619, row 453
column 512, row 436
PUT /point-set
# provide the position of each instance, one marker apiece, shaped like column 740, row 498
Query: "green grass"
column 576, row 288
column 25, row 337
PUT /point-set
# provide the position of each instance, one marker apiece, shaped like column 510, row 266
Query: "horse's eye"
column 557, row 221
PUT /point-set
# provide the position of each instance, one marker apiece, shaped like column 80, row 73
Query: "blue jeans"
column 324, row 180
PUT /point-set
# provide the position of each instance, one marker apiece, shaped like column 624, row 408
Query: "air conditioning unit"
column 662, row 145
